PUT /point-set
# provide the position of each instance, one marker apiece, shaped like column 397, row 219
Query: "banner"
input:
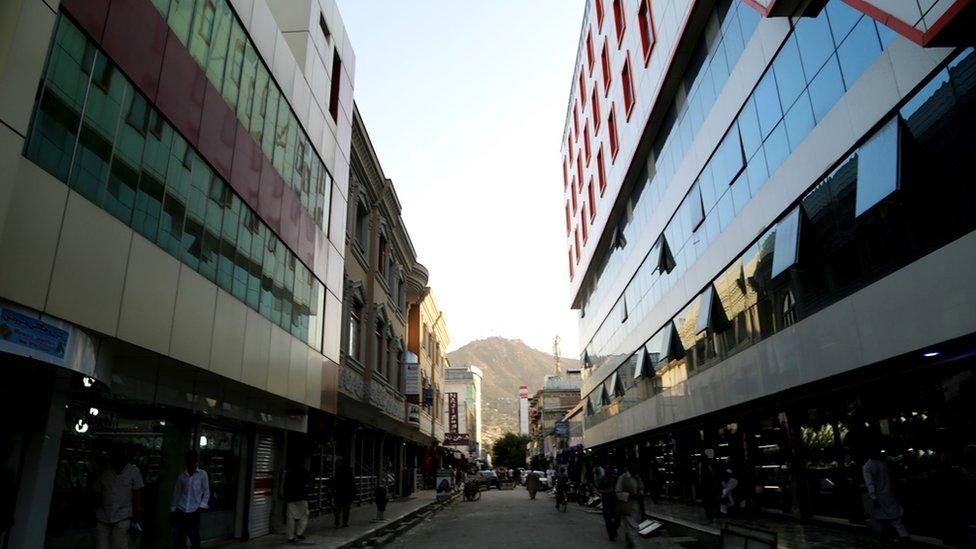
column 456, row 439
column 411, row 379
column 445, row 484
column 413, row 414
column 452, row 412
column 31, row 337
column 562, row 429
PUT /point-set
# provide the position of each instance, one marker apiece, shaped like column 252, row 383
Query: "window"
column 572, row 196
column 577, row 239
column 646, row 23
column 592, row 197
column 362, row 226
column 589, row 51
column 619, row 20
column 586, row 142
column 575, row 125
column 381, row 256
column 612, row 132
column 877, row 167
column 334, row 86
column 579, row 172
column 570, row 257
column 605, row 66
column 379, row 348
column 601, row 170
column 355, row 321
column 325, row 27
column 786, row 243
column 569, row 222
column 565, row 172
column 598, row 5
column 595, row 104
column 584, row 224
column 627, row 83
column 582, row 92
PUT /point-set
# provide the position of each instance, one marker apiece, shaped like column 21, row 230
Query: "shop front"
column 799, row 453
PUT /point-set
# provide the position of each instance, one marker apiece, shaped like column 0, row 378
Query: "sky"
column 465, row 103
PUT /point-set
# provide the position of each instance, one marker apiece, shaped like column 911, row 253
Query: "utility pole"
column 555, row 352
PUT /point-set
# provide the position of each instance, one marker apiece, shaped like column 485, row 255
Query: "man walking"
column 191, row 496
column 630, row 496
column 606, row 484
column 120, row 504
column 343, row 490
column 296, row 502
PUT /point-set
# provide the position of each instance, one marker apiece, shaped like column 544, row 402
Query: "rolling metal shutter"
column 262, row 488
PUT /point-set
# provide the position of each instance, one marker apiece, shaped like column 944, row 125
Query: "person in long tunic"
column 532, row 484
column 884, row 507
column 630, row 496
column 606, row 483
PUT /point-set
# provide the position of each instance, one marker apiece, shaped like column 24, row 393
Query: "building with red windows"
column 770, row 242
column 172, row 233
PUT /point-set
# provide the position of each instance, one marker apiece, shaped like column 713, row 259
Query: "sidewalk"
column 321, row 533
column 791, row 533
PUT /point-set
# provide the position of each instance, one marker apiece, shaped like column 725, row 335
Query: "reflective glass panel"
column 877, row 167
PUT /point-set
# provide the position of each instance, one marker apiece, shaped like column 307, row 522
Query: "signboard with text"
column 456, row 439
column 452, row 412
column 31, row 337
column 562, row 429
column 411, row 379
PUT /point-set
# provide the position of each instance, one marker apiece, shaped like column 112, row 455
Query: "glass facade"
column 219, row 44
column 94, row 131
column 805, row 79
column 837, row 250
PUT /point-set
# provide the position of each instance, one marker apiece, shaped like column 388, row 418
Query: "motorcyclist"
column 562, row 487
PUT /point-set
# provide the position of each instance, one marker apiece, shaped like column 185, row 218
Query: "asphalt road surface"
column 509, row 520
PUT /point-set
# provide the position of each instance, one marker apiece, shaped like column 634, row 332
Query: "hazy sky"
column 465, row 101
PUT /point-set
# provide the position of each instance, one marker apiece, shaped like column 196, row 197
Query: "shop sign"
column 413, row 414
column 445, row 481
column 452, row 412
column 562, row 429
column 412, row 379
column 31, row 337
column 456, row 439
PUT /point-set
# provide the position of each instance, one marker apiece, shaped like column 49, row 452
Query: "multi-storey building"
column 558, row 395
column 172, row 208
column 463, row 421
column 771, row 247
column 373, row 430
column 427, row 339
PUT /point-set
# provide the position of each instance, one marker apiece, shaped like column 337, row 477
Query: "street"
column 509, row 519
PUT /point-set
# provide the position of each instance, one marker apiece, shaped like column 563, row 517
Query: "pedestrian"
column 120, row 501
column 381, row 497
column 630, row 502
column 296, row 502
column 727, row 499
column 606, row 484
column 561, row 487
column 550, row 476
column 708, row 484
column 343, row 491
column 191, row 496
column 532, row 483
column 459, row 478
column 883, row 507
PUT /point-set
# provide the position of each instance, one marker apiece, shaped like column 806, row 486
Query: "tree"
column 510, row 451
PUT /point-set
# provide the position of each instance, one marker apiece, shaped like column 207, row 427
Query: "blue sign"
column 562, row 429
column 428, row 396
column 24, row 331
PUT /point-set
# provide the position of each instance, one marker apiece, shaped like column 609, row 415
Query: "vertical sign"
column 452, row 412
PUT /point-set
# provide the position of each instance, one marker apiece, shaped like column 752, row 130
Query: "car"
column 543, row 480
column 490, row 478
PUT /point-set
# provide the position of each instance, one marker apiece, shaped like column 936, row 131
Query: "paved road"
column 509, row 520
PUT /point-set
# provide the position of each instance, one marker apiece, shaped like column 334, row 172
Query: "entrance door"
column 220, row 457
column 262, row 487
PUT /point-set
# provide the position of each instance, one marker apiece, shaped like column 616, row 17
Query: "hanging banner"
column 413, row 414
column 452, row 412
column 411, row 379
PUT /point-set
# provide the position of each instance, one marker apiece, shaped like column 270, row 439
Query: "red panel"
column 218, row 129
column 904, row 28
column 245, row 174
column 291, row 219
column 181, row 90
column 90, row 14
column 306, row 240
column 135, row 38
column 269, row 197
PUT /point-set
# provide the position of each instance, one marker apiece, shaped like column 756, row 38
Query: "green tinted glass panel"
column 162, row 6
column 259, row 236
column 89, row 172
column 123, row 177
column 266, row 298
column 177, row 194
column 202, row 30
column 218, row 54
column 155, row 160
column 235, row 61
column 228, row 240
column 196, row 211
column 283, row 127
column 259, row 106
column 270, row 137
column 180, row 17
column 57, row 115
column 249, row 67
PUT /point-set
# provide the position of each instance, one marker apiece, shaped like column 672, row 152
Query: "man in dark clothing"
column 343, row 491
column 606, row 483
column 709, row 484
column 296, row 501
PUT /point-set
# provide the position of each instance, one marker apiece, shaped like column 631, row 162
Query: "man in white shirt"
column 120, row 504
column 191, row 495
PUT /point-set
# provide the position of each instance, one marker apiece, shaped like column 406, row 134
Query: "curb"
column 383, row 534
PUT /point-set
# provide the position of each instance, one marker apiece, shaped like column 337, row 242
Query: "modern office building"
column 172, row 215
column 463, row 421
column 770, row 241
column 383, row 281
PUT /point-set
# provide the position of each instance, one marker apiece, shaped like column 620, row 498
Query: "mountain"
column 506, row 363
